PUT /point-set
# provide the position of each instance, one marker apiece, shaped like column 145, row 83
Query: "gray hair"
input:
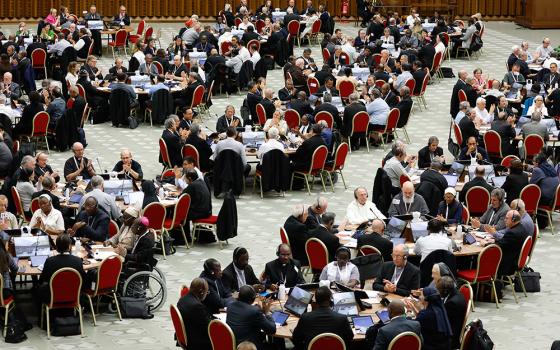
column 169, row 122
column 321, row 202
column 498, row 193
column 327, row 98
column 328, row 218
column 195, row 129
column 26, row 159
column 519, row 204
column 480, row 100
column 464, row 105
column 96, row 181
column 469, row 80
column 405, row 91
column 273, row 133
column 298, row 210
column 433, row 139
column 538, row 97
column 354, row 97
column 536, row 116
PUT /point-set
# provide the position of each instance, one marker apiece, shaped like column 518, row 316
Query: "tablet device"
column 383, row 316
column 362, row 322
column 451, row 180
column 280, row 318
column 38, row 260
column 75, row 198
column 395, row 227
column 345, row 304
column 469, row 238
column 298, row 300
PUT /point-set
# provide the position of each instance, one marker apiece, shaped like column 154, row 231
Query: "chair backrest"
column 181, row 209
column 326, row 55
column 506, row 161
column 531, row 194
column 326, row 116
column 467, row 292
column 191, row 151
column 462, row 95
column 149, row 33
column 424, row 85
column 344, row 55
column 120, row 37
column 458, row 134
column 38, row 58
column 360, row 123
column 159, row 67
column 293, row 27
column 312, row 85
column 113, row 228
column 493, row 143
column 403, row 179
column 40, row 124
column 489, row 83
column 108, row 274
column 179, row 326
column 237, row 21
column 221, row 336
column 164, row 153
column 292, row 118
column 346, row 87
column 90, row 50
column 198, row 95
column 140, row 28
column 436, row 63
column 317, row 254
column 377, row 58
column 260, row 25
column 81, row 90
column 379, row 83
column 465, row 215
column 318, row 159
column 261, row 114
column 155, row 212
column 17, row 202
column 405, row 341
column 225, row 47
column 467, row 338
column 284, row 236
column 477, row 199
column 316, row 26
column 328, row 341
column 556, row 201
column 168, row 173
column 411, row 84
column 524, row 254
column 340, row 156
column 533, row 145
column 392, row 120
column 35, row 204
column 368, row 249
column 254, row 42
column 65, row 286
column 184, row 291
column 488, row 263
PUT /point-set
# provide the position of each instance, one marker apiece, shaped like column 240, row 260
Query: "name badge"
column 396, row 201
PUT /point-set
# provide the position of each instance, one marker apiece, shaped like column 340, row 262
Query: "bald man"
column 511, row 243
column 127, row 166
column 9, row 88
column 78, row 165
column 408, row 202
column 398, row 276
column 399, row 324
column 374, row 237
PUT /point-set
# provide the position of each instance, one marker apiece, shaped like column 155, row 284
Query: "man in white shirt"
column 47, row 218
column 435, row 240
column 271, row 143
column 482, row 115
column 60, row 45
column 410, row 19
column 231, row 143
column 255, row 55
column 361, row 210
column 463, row 107
column 104, row 200
column 544, row 50
column 188, row 164
column 243, row 55
column 7, row 109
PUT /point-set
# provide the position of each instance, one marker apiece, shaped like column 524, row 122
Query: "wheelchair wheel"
column 147, row 285
column 160, row 274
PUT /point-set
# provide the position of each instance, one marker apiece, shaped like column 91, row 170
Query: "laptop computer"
column 383, row 316
column 419, row 229
column 32, row 246
column 280, row 318
column 297, row 302
column 75, row 198
column 451, row 180
column 499, row 181
column 395, row 227
column 38, row 260
column 345, row 303
column 362, row 322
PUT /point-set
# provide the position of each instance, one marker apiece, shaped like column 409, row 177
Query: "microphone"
column 36, row 245
column 99, row 163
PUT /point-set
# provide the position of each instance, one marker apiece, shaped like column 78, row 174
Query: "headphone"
column 343, row 248
column 356, row 192
column 207, row 268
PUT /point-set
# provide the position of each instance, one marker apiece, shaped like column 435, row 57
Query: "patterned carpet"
column 531, row 324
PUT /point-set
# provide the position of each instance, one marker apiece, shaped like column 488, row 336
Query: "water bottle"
column 281, row 292
column 460, row 230
column 67, row 193
column 77, row 247
column 161, row 193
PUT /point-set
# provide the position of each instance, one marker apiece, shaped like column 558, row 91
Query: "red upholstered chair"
column 210, row 222
column 360, row 125
column 221, row 336
column 284, row 236
column 225, row 47
column 39, row 60
column 189, row 150
column 149, row 34
column 486, row 269
column 411, row 85
column 204, row 106
column 326, row 116
column 19, row 206
column 292, row 118
column 316, row 168
column 198, row 95
column 368, row 249
column 465, row 216
column 339, row 161
column 325, row 341
column 34, row 204
column 467, row 292
column 155, row 212
column 392, row 121
column 462, row 95
column 133, row 38
column 254, row 42
column 377, row 58
column 345, row 88
column 344, row 55
column 506, row 161
column 159, row 67
column 490, row 82
column 534, row 238
column 466, row 341
column 164, row 155
column 477, row 199
column 531, row 195
column 493, row 144
column 106, row 284
column 317, row 254
column 419, row 97
column 404, row 178
column 458, row 134
column 180, row 212
column 40, row 128
column 237, row 21
column 261, row 114
column 81, row 91
column 179, row 326
column 549, row 209
column 436, row 66
column 6, row 303
column 379, row 83
column 532, row 145
column 65, row 286
column 312, row 85
column 259, row 26
column 120, row 41
column 113, row 228
column 405, row 341
column 521, row 263
column 315, row 30
column 184, row 290
column 326, row 55
column 293, row 29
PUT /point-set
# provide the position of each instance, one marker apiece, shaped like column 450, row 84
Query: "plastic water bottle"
column 161, row 193
column 77, row 247
column 67, row 193
column 460, row 230
column 281, row 292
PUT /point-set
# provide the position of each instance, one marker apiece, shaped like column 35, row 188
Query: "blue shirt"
column 158, row 86
column 378, row 111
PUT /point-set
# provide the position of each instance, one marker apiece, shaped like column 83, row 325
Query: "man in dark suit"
column 91, row 222
column 297, row 233
column 553, row 78
column 350, row 112
column 250, row 322
column 239, row 273
column 249, row 35
column 470, row 91
column 434, row 176
column 174, row 141
column 195, row 315
column 122, row 18
column 513, row 57
column 388, row 95
column 197, row 139
column 218, row 296
column 228, row 119
column 375, row 28
column 418, row 74
column 290, row 16
column 399, row 324
column 473, row 150
column 327, row 106
column 478, row 180
column 314, row 213
column 398, row 276
column 268, row 103
column 321, row 320
column 511, row 243
column 430, row 152
column 455, row 306
column 201, row 200
column 426, row 55
column 253, row 98
column 214, row 59
column 459, row 85
column 505, row 127
column 301, row 160
column 186, row 95
column 376, row 240
column 78, row 106
column 301, row 105
column 324, row 233
column 467, row 127
column 283, row 270
column 96, row 99
column 299, row 78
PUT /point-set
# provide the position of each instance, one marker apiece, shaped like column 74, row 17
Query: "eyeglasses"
column 397, row 256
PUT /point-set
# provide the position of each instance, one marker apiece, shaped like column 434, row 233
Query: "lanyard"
column 491, row 217
column 515, row 78
column 446, row 211
column 397, row 275
column 407, row 207
column 343, row 277
column 135, row 244
column 76, row 162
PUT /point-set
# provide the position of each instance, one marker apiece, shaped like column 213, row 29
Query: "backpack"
column 480, row 339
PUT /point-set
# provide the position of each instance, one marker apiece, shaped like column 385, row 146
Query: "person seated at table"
column 495, row 214
column 373, row 236
column 321, row 320
column 301, row 160
column 141, row 256
column 47, row 218
column 398, row 276
column 197, row 139
column 47, row 33
column 504, row 125
column 535, row 127
column 176, row 69
column 150, row 48
column 10, row 89
column 56, row 106
column 283, row 270
column 478, row 180
column 290, row 15
column 180, row 173
column 395, row 169
column 378, row 111
column 229, row 119
column 342, row 270
column 435, row 240
column 231, row 143
column 430, row 152
column 516, row 180
column 323, row 232
column 538, row 106
column 513, row 80
column 122, row 18
column 297, row 232
column 277, row 121
column 544, row 176
column 483, row 116
column 219, row 296
column 64, row 259
column 128, row 166
column 526, row 220
column 78, row 165
column 511, row 243
column 176, row 48
column 91, row 223
column 42, row 168
column 90, row 67
column 160, row 85
column 174, row 139
column 49, row 186
column 455, row 306
column 473, row 151
column 433, row 175
column 328, row 87
column 272, row 143
column 148, row 67
column 25, row 124
column 195, row 315
column 360, row 210
column 201, row 200
column 399, row 324
column 8, row 221
column 106, row 202
column 25, row 188
column 187, row 118
column 239, row 273
column 123, row 241
column 116, row 69
column 408, row 202
column 450, row 210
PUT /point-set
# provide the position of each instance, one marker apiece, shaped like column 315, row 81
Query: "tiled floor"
column 534, row 318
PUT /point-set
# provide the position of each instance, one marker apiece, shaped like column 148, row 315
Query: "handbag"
column 132, row 122
column 134, row 307
column 531, row 280
column 480, row 339
column 15, row 333
column 63, row 326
